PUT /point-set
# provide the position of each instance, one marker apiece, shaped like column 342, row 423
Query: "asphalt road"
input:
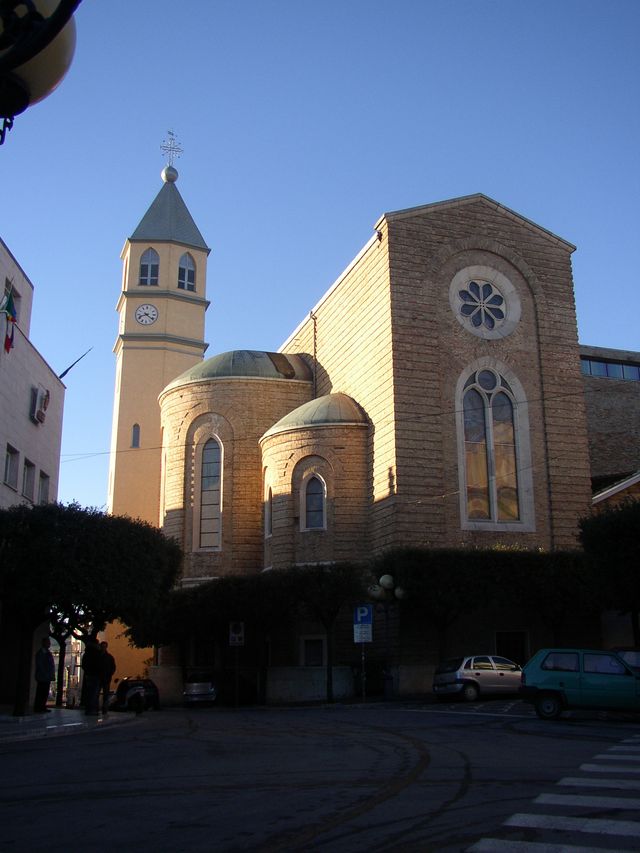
column 394, row 777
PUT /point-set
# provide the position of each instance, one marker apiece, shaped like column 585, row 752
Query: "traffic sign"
column 363, row 623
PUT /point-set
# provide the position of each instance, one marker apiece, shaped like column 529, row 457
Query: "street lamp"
column 37, row 41
column 386, row 593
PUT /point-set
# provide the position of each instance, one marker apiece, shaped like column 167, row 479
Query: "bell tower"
column 161, row 312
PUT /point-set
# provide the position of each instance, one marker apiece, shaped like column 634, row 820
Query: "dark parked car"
column 135, row 694
column 199, row 689
column 470, row 676
column 555, row 680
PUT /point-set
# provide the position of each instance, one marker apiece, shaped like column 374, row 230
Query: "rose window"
column 482, row 304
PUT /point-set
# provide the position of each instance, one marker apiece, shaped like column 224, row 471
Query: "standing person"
column 92, row 667
column 108, row 669
column 45, row 674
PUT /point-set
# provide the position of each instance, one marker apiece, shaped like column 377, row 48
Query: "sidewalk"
column 61, row 721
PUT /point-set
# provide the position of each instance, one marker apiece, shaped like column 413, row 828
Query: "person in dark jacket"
column 45, row 674
column 108, row 669
column 92, row 668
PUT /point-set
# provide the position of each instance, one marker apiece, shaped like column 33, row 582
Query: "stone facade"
column 390, row 335
column 337, row 455
column 402, row 352
column 433, row 397
column 236, row 411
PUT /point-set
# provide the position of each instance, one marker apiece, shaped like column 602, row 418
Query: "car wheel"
column 548, row 707
column 470, row 692
column 136, row 703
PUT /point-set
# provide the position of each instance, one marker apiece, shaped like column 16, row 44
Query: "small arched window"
column 135, row 435
column 186, row 273
column 210, row 493
column 314, row 504
column 149, row 267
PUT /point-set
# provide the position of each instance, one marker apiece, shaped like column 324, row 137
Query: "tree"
column 554, row 587
column 264, row 602
column 323, row 591
column 79, row 568
column 201, row 615
column 612, row 547
column 443, row 585
column 440, row 585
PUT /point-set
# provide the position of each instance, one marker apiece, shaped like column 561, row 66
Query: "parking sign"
column 363, row 623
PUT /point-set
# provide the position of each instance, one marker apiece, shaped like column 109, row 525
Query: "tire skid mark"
column 300, row 840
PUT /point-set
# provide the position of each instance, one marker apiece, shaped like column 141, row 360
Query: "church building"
column 435, row 396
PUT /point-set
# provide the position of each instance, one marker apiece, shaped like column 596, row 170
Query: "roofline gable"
column 473, row 199
column 616, row 488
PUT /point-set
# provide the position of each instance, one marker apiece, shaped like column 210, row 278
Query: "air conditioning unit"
column 39, row 404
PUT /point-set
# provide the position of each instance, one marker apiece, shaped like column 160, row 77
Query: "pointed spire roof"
column 168, row 220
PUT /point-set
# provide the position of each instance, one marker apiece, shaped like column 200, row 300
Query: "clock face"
column 146, row 314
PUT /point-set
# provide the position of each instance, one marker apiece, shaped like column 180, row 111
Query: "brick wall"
column 386, row 335
column 338, row 455
column 237, row 411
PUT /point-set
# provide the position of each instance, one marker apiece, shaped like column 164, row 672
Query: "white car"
column 471, row 676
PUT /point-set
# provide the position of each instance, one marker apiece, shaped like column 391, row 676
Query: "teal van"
column 556, row 680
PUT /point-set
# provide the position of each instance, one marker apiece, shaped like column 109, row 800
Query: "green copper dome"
column 246, row 364
column 331, row 410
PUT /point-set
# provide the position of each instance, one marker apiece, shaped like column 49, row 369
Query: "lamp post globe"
column 37, row 43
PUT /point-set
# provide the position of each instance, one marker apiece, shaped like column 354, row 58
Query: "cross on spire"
column 171, row 148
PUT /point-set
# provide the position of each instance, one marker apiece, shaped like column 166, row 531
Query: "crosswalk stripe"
column 594, row 826
column 609, row 757
column 627, row 760
column 620, row 784
column 498, row 845
column 603, row 768
column 630, row 803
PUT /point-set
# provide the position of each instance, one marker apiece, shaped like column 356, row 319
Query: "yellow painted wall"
column 148, row 357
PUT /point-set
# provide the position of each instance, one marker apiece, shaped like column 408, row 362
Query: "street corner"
column 56, row 722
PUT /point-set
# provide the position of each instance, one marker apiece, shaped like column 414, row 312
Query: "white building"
column 31, row 401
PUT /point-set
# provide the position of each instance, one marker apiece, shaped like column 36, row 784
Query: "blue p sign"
column 363, row 614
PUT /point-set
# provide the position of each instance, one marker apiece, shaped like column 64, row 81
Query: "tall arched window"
column 496, row 482
column 314, row 504
column 149, row 267
column 135, row 435
column 268, row 513
column 186, row 273
column 210, row 491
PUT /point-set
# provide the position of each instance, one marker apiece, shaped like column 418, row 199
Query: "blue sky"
column 301, row 123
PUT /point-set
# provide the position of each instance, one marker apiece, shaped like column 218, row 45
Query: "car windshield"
column 450, row 665
column 199, row 677
column 631, row 656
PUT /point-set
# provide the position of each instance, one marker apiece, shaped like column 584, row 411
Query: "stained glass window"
column 490, row 449
column 482, row 304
